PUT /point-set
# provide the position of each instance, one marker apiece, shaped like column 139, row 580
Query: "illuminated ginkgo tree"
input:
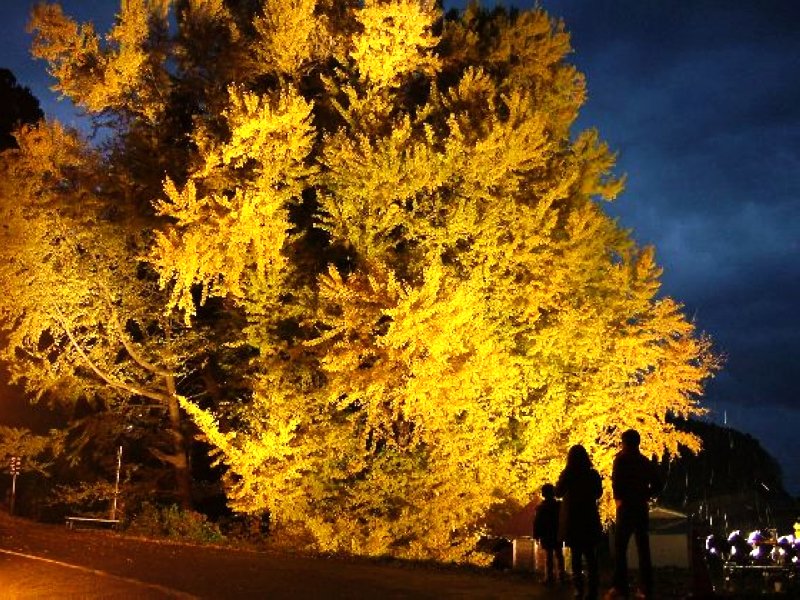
column 396, row 200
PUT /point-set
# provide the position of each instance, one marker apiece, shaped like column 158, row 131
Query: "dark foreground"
column 47, row 561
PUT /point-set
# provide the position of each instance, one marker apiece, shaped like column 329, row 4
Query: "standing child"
column 545, row 531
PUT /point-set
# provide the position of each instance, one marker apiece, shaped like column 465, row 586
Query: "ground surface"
column 50, row 562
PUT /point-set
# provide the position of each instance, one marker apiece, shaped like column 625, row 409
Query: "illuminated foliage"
column 437, row 304
column 287, row 35
column 36, row 452
column 109, row 74
column 241, row 224
column 84, row 320
column 396, row 41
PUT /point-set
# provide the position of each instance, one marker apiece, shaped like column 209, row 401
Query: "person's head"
column 578, row 458
column 631, row 439
column 548, row 491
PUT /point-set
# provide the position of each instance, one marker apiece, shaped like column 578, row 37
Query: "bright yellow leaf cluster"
column 231, row 219
column 288, row 32
column 396, row 41
column 119, row 73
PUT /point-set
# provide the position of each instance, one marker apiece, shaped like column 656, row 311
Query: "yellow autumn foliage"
column 239, row 226
column 396, row 41
column 437, row 303
column 287, row 33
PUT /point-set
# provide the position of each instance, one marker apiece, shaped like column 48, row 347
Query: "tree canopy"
column 18, row 106
column 392, row 208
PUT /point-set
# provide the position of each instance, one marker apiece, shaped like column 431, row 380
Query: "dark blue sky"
column 701, row 98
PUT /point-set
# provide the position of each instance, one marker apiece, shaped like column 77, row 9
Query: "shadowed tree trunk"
column 179, row 460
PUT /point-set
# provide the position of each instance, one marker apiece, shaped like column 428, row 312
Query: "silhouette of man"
column 634, row 480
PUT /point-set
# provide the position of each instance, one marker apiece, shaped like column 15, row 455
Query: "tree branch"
column 120, row 385
column 171, row 459
column 132, row 352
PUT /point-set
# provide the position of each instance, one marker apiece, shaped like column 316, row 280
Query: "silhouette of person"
column 635, row 480
column 545, row 531
column 580, row 486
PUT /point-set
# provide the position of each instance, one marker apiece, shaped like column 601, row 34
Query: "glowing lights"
column 760, row 563
column 759, row 548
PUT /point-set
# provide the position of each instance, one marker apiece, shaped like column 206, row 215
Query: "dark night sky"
column 701, row 99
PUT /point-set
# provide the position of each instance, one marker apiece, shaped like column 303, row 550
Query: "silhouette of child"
column 545, row 531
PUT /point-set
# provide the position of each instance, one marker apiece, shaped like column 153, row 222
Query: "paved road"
column 27, row 577
column 42, row 561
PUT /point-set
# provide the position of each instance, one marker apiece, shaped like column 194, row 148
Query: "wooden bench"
column 90, row 523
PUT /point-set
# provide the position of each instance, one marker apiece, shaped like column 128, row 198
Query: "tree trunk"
column 180, row 463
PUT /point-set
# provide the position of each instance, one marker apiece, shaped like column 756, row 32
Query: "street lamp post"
column 116, row 484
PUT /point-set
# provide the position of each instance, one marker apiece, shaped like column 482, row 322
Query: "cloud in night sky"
column 702, row 101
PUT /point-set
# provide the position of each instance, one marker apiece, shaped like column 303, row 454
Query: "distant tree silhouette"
column 731, row 462
column 733, row 475
column 18, row 105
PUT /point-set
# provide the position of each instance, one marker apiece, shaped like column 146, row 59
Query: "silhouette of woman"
column 580, row 486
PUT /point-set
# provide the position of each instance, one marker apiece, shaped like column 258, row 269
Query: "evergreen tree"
column 18, row 106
